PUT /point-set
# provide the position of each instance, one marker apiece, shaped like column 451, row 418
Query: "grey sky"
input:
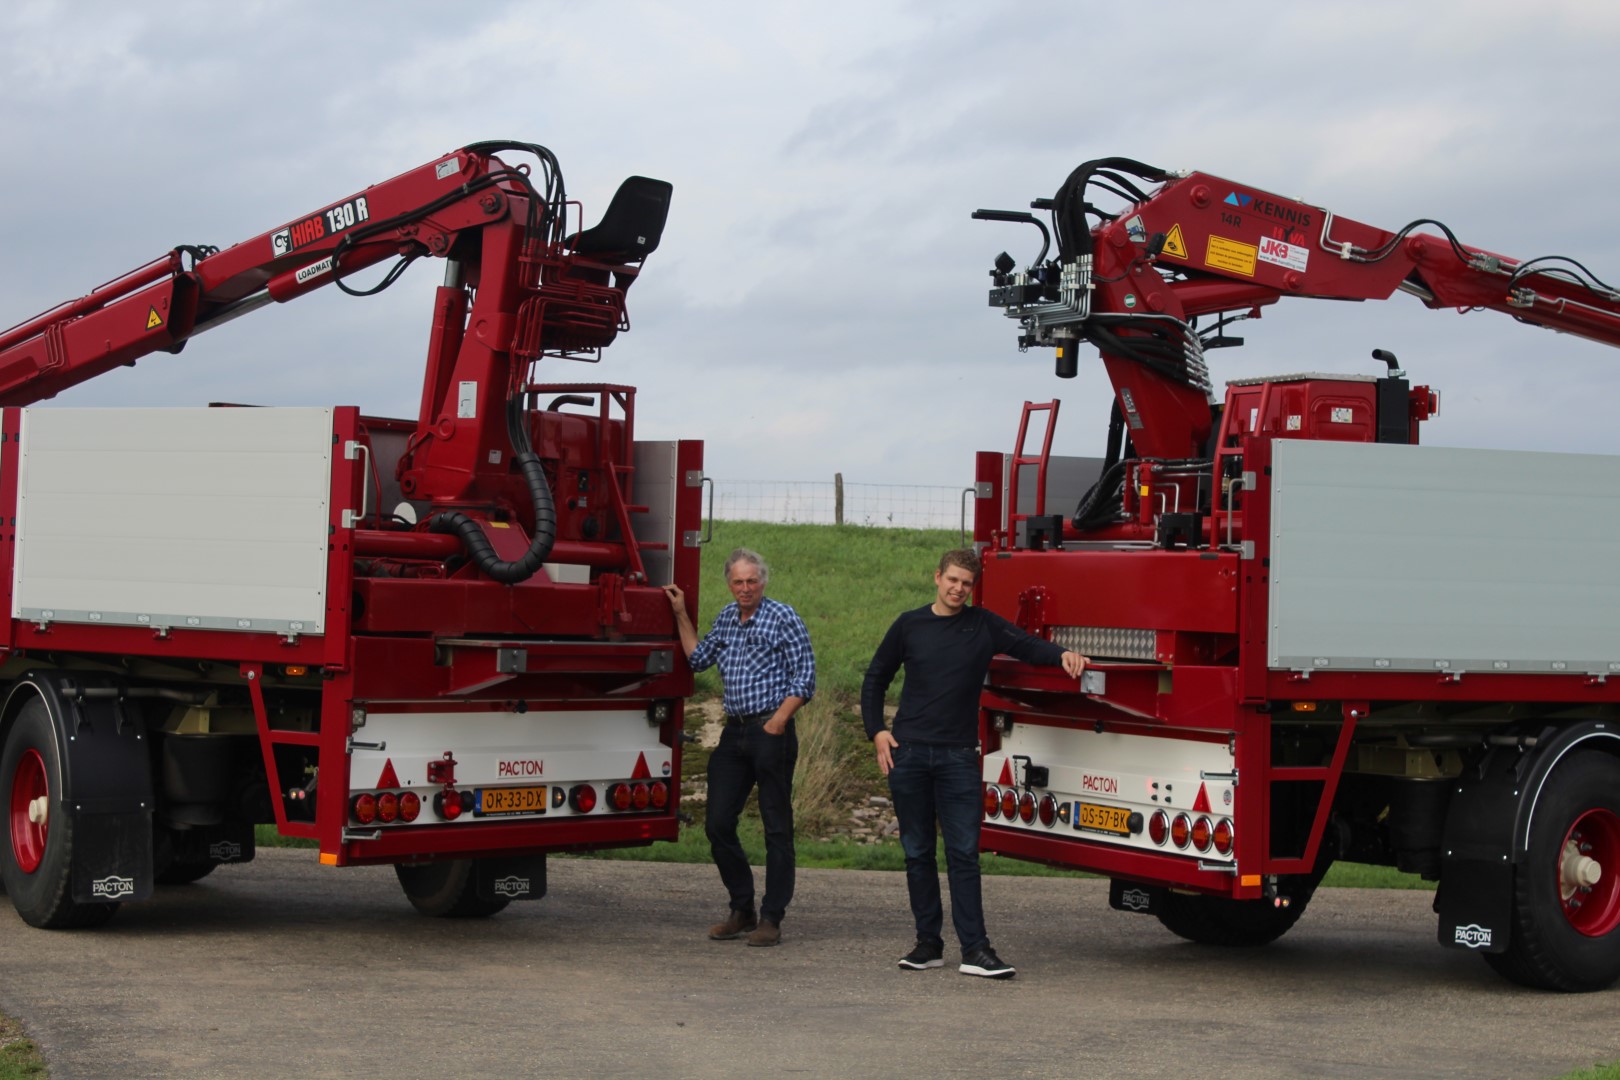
column 818, row 301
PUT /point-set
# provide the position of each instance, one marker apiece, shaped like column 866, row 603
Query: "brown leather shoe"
column 736, row 925
column 769, row 933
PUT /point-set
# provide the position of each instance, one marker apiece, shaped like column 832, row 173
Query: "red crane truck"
column 437, row 642
column 1312, row 638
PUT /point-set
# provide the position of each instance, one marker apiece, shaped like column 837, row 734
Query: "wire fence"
column 834, row 502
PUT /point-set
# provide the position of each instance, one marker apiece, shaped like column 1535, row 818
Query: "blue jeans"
column 943, row 782
column 745, row 757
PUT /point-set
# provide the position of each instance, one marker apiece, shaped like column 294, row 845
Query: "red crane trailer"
column 1312, row 638
column 437, row 642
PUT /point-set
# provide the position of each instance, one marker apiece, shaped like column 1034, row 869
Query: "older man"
column 768, row 671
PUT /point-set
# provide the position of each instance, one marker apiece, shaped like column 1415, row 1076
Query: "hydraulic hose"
column 482, row 552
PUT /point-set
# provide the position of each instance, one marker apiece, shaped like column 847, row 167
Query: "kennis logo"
column 112, row 887
column 512, row 886
column 1473, row 936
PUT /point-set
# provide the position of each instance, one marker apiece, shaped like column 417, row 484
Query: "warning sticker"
column 1174, row 244
column 1231, row 256
column 153, row 319
column 1135, row 231
column 1282, row 253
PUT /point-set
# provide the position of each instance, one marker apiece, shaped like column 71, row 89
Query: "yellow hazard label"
column 153, row 319
column 1174, row 244
column 1231, row 256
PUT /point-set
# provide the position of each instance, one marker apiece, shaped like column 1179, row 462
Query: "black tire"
column 1217, row 920
column 42, row 893
column 184, row 873
column 1552, row 946
column 446, row 890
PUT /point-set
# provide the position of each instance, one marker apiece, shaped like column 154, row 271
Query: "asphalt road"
column 287, row 968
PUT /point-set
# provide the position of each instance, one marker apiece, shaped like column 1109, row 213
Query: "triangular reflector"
column 641, row 772
column 1201, row 804
column 1006, row 773
column 388, row 778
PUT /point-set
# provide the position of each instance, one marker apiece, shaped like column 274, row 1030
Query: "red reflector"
column 410, row 805
column 619, row 796
column 1009, row 804
column 364, row 808
column 1159, row 827
column 660, row 795
column 640, row 796
column 1048, row 811
column 1223, row 836
column 992, row 801
column 1180, row 831
column 447, row 804
column 582, row 798
column 1200, row 834
column 388, row 806
column 1026, row 807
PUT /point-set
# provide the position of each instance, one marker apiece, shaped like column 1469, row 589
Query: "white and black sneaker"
column 984, row 962
column 926, row 955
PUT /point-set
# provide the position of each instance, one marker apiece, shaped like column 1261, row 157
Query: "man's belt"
column 749, row 718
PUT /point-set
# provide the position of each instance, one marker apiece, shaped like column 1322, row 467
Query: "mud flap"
column 112, row 857
column 1129, row 896
column 519, row 877
column 106, row 787
column 1475, row 904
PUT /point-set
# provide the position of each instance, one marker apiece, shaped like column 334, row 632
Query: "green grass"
column 19, row 1057
column 1611, row 1071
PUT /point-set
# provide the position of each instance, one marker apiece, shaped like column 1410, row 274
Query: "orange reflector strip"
column 1304, row 706
column 328, row 858
column 296, row 669
column 1249, row 879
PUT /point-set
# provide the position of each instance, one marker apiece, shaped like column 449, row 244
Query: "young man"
column 768, row 672
column 932, row 756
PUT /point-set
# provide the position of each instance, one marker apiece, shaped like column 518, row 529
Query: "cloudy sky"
column 818, row 301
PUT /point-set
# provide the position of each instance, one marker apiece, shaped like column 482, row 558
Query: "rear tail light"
column 1180, row 831
column 1200, row 834
column 410, row 805
column 387, row 806
column 1223, row 836
column 992, row 801
column 1159, row 827
column 1026, row 807
column 1048, row 811
column 660, row 795
column 582, row 797
column 364, row 808
column 640, row 796
column 447, row 804
column 1009, row 804
column 619, row 796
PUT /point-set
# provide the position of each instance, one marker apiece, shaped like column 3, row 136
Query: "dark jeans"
column 941, row 781
column 745, row 757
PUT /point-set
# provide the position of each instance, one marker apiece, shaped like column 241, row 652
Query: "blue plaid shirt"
column 762, row 661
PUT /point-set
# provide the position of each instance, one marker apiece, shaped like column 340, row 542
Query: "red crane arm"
column 1130, row 282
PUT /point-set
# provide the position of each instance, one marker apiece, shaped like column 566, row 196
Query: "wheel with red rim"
column 36, row 850
column 1565, row 928
column 30, row 803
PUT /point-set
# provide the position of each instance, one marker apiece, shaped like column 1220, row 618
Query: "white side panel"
column 655, row 487
column 203, row 518
column 1416, row 558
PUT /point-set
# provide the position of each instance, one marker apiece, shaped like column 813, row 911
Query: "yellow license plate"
column 511, row 800
column 1107, row 819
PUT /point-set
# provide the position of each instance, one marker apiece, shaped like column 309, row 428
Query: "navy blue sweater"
column 946, row 658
